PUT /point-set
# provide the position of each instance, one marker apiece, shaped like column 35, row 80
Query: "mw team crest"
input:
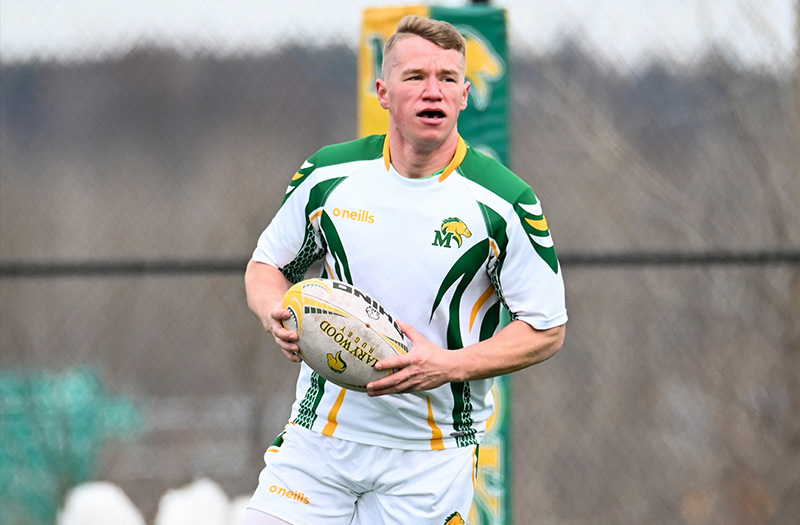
column 453, row 229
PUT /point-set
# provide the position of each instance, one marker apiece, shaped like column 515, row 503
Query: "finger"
column 283, row 334
column 281, row 314
column 277, row 328
column 392, row 363
column 386, row 385
column 375, row 387
column 375, row 392
column 292, row 356
column 400, row 388
column 290, row 350
column 409, row 330
column 287, row 345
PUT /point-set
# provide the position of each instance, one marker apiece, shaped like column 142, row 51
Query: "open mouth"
column 431, row 114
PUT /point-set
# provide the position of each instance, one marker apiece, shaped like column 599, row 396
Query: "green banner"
column 484, row 125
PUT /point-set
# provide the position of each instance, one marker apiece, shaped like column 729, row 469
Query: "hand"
column 424, row 367
column 284, row 338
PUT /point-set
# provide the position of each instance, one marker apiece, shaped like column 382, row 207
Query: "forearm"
column 515, row 347
column 265, row 286
column 427, row 366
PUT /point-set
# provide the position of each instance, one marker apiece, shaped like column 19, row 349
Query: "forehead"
column 415, row 52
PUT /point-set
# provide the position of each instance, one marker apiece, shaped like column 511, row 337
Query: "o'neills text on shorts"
column 290, row 494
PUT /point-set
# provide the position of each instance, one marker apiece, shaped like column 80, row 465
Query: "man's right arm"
column 265, row 286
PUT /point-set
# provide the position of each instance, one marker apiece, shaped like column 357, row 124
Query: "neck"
column 416, row 161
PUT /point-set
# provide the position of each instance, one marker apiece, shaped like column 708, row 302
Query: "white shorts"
column 316, row 479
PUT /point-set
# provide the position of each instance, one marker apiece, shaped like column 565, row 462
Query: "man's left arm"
column 428, row 366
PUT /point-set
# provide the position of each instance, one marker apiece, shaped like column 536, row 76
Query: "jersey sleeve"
column 291, row 242
column 529, row 277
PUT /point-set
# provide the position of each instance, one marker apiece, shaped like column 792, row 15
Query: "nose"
column 433, row 88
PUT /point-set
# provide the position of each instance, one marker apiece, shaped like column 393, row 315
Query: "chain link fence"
column 140, row 161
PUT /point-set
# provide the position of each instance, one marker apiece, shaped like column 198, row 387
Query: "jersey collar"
column 461, row 152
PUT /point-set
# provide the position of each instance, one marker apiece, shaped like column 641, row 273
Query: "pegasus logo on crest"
column 452, row 229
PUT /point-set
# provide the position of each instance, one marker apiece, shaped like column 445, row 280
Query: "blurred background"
column 144, row 145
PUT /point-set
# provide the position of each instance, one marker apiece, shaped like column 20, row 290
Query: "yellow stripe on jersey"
column 461, row 152
column 494, row 247
column 330, row 427
column 437, row 443
column 475, row 309
column 387, row 156
column 330, row 272
column 458, row 158
column 538, row 224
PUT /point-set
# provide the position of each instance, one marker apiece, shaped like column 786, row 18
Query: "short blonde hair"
column 439, row 32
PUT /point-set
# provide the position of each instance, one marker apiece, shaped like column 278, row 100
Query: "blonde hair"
column 439, row 32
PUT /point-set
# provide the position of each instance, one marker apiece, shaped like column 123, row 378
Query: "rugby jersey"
column 444, row 253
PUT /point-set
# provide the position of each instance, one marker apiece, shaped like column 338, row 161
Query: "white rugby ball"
column 342, row 332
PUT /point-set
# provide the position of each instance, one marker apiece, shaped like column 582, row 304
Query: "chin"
column 437, row 132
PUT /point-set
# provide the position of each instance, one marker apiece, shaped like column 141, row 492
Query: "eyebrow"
column 418, row 70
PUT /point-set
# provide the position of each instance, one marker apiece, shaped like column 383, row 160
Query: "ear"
column 382, row 91
column 465, row 96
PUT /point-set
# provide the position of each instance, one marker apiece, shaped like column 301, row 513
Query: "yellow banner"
column 377, row 26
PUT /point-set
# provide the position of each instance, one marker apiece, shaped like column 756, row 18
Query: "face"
column 424, row 90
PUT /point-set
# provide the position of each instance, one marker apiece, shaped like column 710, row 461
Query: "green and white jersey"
column 444, row 254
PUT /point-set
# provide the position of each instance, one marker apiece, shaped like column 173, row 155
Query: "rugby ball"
column 342, row 332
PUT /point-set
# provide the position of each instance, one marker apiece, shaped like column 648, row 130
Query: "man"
column 445, row 238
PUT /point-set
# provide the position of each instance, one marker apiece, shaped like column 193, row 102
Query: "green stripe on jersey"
column 492, row 175
column 462, row 272
column 491, row 321
column 496, row 226
column 307, row 414
column 320, row 193
column 487, row 172
column 308, row 254
column 367, row 148
column 341, row 266
column 462, row 414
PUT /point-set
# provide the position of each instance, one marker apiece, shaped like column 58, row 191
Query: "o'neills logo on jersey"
column 453, row 229
column 299, row 497
column 354, row 215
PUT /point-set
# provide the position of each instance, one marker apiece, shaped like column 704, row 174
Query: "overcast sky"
column 758, row 31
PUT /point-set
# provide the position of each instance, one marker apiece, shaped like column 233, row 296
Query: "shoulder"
column 331, row 163
column 492, row 176
column 367, row 148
